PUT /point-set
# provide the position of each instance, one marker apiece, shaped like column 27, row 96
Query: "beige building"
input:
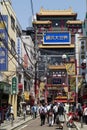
column 8, row 59
column 16, row 60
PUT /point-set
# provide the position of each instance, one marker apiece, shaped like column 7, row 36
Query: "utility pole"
column 32, row 9
column 36, row 62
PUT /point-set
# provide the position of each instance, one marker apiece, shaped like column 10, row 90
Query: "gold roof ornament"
column 56, row 12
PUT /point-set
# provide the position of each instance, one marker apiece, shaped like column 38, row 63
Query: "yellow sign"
column 26, row 95
column 70, row 67
column 42, row 85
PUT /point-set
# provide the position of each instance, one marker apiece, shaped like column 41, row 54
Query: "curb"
column 21, row 123
column 15, row 124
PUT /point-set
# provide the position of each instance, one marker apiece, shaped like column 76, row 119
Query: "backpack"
column 80, row 111
column 42, row 112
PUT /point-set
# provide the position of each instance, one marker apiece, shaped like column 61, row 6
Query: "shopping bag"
column 61, row 118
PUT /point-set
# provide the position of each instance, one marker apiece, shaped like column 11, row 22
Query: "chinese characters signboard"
column 3, row 43
column 14, row 85
column 57, row 38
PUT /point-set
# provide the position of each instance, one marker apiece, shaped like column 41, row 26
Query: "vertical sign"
column 19, row 50
column 3, row 42
column 14, row 85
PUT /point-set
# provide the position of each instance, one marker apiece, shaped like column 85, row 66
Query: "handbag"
column 61, row 118
column 50, row 113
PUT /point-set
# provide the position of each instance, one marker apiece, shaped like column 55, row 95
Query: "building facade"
column 16, row 52
column 55, row 37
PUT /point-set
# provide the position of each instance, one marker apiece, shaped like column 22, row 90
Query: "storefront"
column 5, row 90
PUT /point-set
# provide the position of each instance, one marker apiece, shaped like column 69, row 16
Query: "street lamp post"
column 45, row 92
column 64, row 57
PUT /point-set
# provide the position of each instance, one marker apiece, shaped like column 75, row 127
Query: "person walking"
column 7, row 114
column 34, row 110
column 42, row 114
column 11, row 112
column 85, row 114
column 60, row 114
column 55, row 108
column 48, row 108
column 51, row 116
column 80, row 111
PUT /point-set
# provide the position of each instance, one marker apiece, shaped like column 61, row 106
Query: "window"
column 13, row 47
column 12, row 23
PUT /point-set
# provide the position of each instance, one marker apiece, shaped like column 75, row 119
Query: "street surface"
column 35, row 125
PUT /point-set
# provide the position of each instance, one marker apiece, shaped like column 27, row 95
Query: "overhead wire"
column 3, row 41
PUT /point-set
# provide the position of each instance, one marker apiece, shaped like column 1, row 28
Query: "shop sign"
column 5, row 87
column 14, row 85
column 26, row 95
column 57, row 38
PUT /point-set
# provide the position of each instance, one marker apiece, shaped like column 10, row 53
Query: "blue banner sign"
column 3, row 59
column 3, row 43
column 57, row 38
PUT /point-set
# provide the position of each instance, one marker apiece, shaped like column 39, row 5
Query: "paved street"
column 35, row 125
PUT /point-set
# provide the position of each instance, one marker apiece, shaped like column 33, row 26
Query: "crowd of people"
column 53, row 113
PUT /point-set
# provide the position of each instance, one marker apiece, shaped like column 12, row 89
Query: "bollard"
column 81, row 121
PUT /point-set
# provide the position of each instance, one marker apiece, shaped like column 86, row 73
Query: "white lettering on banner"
column 2, row 61
column 2, row 53
column 56, row 37
column 2, row 35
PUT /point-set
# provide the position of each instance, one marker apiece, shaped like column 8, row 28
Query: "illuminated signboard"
column 57, row 38
column 3, row 43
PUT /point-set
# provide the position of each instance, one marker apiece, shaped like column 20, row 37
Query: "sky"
column 23, row 10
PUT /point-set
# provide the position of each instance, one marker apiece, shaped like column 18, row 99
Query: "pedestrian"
column 85, row 114
column 0, row 116
column 7, row 114
column 42, row 114
column 12, row 111
column 51, row 116
column 83, row 107
column 60, row 114
column 34, row 111
column 48, row 108
column 66, row 108
column 55, row 108
column 80, row 111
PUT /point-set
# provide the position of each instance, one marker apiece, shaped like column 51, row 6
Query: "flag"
column 70, row 67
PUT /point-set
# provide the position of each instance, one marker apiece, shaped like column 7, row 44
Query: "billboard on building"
column 3, row 42
column 25, row 61
column 19, row 49
column 57, row 38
